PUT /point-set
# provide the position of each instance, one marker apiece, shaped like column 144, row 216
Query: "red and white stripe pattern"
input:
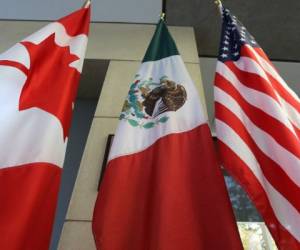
column 258, row 129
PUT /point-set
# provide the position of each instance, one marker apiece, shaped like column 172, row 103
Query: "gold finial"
column 219, row 5
column 162, row 16
column 86, row 3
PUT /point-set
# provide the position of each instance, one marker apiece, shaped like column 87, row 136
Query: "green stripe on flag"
column 162, row 44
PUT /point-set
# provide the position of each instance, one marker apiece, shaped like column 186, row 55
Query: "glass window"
column 253, row 232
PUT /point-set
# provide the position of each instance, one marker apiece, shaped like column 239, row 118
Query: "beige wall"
column 108, row 40
column 124, row 45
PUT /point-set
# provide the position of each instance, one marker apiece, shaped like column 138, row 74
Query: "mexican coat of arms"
column 147, row 101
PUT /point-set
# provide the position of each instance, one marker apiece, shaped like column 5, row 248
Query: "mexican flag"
column 38, row 84
column 163, row 189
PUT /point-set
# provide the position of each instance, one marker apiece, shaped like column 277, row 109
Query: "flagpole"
column 220, row 6
column 86, row 3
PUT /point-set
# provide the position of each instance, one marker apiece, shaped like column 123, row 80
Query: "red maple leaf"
column 51, row 83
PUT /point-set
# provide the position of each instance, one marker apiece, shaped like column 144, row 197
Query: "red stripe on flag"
column 28, row 195
column 244, row 176
column 260, row 84
column 15, row 65
column 171, row 196
column 245, row 51
column 262, row 54
column 253, row 81
column 272, row 171
column 297, row 131
column 261, row 119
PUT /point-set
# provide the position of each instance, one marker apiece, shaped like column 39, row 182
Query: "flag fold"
column 162, row 188
column 257, row 125
column 38, row 84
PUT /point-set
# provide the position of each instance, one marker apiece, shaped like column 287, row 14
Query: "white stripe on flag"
column 256, row 98
column 249, row 65
column 287, row 215
column 269, row 69
column 288, row 161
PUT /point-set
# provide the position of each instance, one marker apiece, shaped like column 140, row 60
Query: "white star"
column 236, row 53
column 242, row 39
column 223, row 55
column 226, row 37
column 252, row 41
column 225, row 48
column 226, row 42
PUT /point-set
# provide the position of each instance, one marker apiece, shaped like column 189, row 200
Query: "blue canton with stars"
column 234, row 35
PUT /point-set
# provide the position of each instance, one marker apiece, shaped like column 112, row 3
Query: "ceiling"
column 131, row 11
column 274, row 23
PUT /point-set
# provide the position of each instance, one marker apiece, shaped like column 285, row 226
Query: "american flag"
column 258, row 130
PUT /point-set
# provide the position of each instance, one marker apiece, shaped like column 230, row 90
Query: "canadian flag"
column 38, row 84
column 163, row 188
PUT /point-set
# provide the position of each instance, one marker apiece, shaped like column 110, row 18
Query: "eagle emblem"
column 147, row 101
